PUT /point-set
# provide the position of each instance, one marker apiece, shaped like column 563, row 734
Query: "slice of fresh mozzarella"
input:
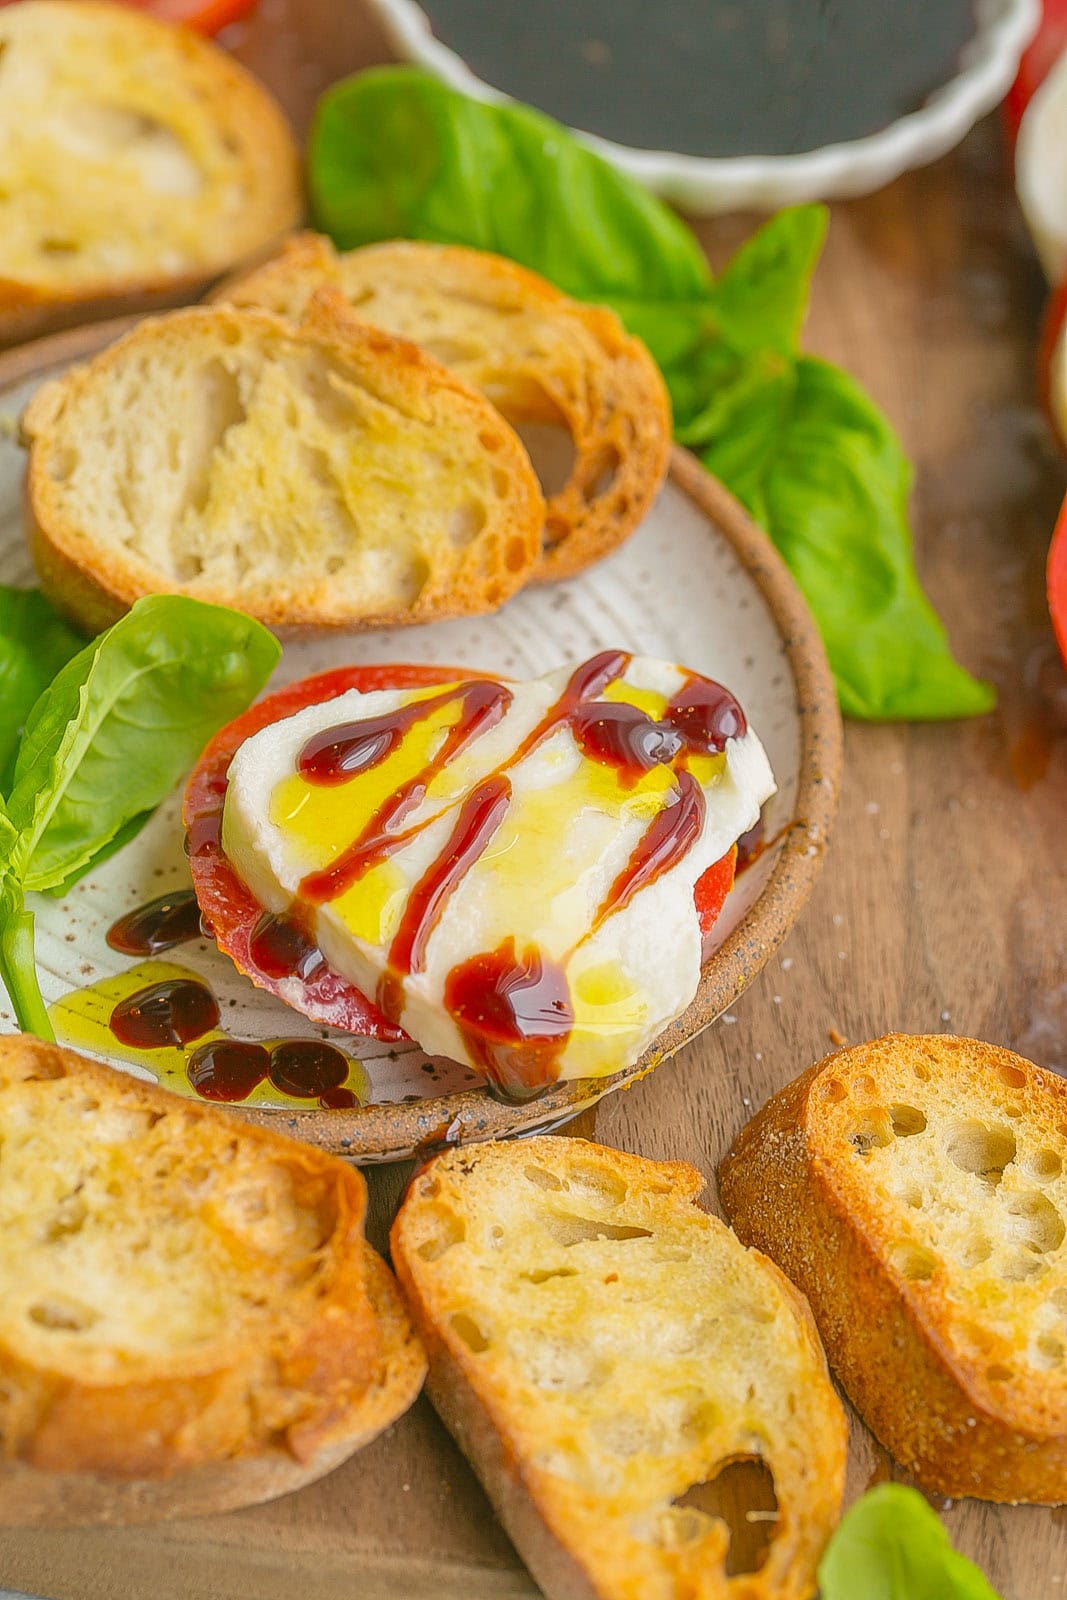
column 507, row 868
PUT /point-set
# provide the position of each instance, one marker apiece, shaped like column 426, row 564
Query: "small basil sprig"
column 393, row 152
column 104, row 744
column 34, row 644
column 891, row 1546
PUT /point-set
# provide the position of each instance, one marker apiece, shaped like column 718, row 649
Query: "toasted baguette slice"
column 538, row 356
column 190, row 1318
column 139, row 161
column 601, row 1349
column 914, row 1189
column 329, row 476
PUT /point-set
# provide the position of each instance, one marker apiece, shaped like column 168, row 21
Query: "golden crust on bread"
column 139, row 161
column 326, row 476
column 181, row 1293
column 537, row 355
column 914, row 1189
column 599, row 1346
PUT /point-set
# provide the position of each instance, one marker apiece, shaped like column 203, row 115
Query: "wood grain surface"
column 943, row 905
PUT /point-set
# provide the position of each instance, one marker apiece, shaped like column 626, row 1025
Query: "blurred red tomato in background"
column 206, row 16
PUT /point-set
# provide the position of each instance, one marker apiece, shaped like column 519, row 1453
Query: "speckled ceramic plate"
column 697, row 583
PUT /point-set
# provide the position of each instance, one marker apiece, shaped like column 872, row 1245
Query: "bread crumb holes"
column 1047, row 1353
column 979, row 1148
column 914, row 1262
column 1036, row 1222
column 1044, row 1165
column 907, row 1121
column 452, row 1230
column 872, row 1131
column 540, row 1178
column 468, row 1330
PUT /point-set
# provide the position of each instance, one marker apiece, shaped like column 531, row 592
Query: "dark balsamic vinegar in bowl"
column 713, row 77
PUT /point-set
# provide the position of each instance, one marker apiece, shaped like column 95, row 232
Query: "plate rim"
column 393, row 1130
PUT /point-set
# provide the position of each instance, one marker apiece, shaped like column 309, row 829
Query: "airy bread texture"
column 190, row 1318
column 600, row 1348
column 538, row 356
column 136, row 159
column 326, row 476
column 915, row 1189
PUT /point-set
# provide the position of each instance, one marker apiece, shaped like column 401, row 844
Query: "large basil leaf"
column 122, row 722
column 393, row 153
column 817, row 464
column 34, row 643
column 891, row 1546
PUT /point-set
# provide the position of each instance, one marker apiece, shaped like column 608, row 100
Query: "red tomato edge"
column 1035, row 64
column 231, row 911
column 204, row 16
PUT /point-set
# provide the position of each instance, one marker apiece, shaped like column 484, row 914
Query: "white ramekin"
column 706, row 185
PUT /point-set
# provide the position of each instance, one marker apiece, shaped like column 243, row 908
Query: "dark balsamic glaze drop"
column 750, row 846
column 170, row 920
column 624, row 737
column 338, row 1100
column 307, row 1068
column 706, row 715
column 203, row 833
column 165, row 1015
column 698, row 721
column 283, row 946
column 227, row 1069
column 515, row 1014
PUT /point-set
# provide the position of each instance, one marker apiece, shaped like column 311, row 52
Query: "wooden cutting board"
column 943, row 905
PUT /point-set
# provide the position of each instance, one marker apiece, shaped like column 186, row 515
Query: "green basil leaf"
column 747, row 409
column 750, row 317
column 761, row 298
column 34, row 643
column 822, row 470
column 394, row 153
column 891, row 1546
column 122, row 722
column 128, row 831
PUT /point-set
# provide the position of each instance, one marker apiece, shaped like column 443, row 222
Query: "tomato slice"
column 230, row 909
column 711, row 889
column 1057, row 582
column 206, row 16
